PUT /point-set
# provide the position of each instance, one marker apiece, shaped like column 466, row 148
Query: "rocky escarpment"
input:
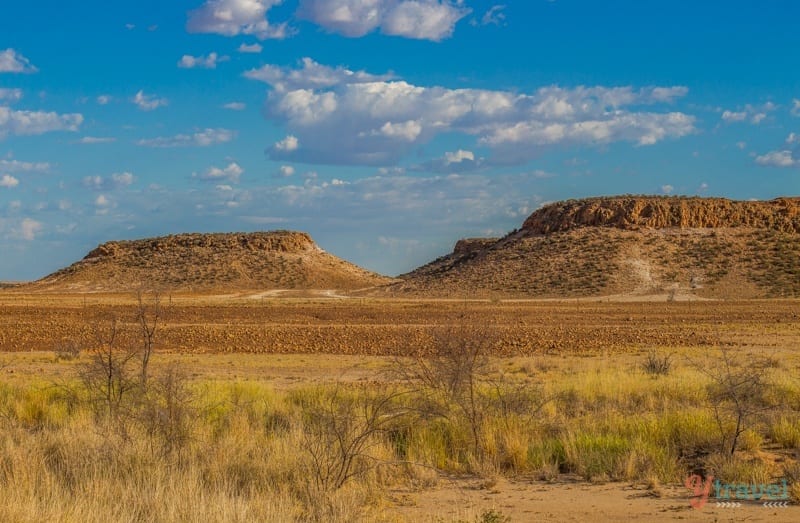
column 213, row 262
column 471, row 245
column 275, row 241
column 634, row 212
column 672, row 247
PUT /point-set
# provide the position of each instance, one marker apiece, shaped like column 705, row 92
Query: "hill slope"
column 674, row 247
column 218, row 262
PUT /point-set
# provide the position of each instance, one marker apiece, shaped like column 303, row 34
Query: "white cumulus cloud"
column 204, row 62
column 110, row 183
column 91, row 140
column 14, row 166
column 252, row 48
column 755, row 114
column 103, row 202
column 782, row 158
column 408, row 131
column 285, row 171
column 423, row 20
column 310, row 75
column 459, row 161
column 493, row 16
column 10, row 95
column 419, row 19
column 732, row 116
column 204, row 138
column 235, row 106
column 8, row 181
column 29, row 228
column 458, row 156
column 147, row 102
column 123, row 179
column 288, row 144
column 347, row 117
column 230, row 173
column 13, row 62
column 21, row 123
column 237, row 17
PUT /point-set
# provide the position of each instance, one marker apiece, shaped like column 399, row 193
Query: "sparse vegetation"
column 233, row 450
column 92, row 437
column 656, row 364
column 739, row 393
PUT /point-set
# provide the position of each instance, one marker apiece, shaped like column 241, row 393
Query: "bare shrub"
column 458, row 382
column 115, row 374
column 167, row 411
column 67, row 350
column 108, row 374
column 739, row 394
column 656, row 365
column 341, row 428
column 449, row 382
column 149, row 314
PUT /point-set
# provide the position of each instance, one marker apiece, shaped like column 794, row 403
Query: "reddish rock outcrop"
column 470, row 245
column 654, row 212
column 628, row 246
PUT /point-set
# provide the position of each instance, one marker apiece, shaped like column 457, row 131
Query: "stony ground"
column 240, row 323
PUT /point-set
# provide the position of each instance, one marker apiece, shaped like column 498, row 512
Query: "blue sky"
column 387, row 129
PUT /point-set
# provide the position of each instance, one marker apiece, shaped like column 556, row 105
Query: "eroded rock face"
column 627, row 246
column 274, row 241
column 470, row 245
column 653, row 212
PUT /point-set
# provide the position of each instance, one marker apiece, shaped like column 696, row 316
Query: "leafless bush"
column 655, row 365
column 67, row 350
column 449, row 381
column 108, row 374
column 739, row 393
column 149, row 314
column 167, row 410
column 115, row 374
column 341, row 428
column 458, row 382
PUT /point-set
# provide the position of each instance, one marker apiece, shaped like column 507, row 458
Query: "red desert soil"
column 202, row 324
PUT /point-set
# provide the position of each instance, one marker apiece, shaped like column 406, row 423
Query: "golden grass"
column 246, row 455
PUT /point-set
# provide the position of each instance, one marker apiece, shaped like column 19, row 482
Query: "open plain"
column 313, row 322
column 601, row 437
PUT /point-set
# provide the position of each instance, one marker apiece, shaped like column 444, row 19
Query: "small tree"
column 108, row 374
column 167, row 409
column 738, row 394
column 451, row 378
column 340, row 428
column 458, row 381
column 149, row 314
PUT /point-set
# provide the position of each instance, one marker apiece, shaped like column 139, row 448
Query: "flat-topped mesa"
column 216, row 262
column 662, row 212
column 272, row 241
